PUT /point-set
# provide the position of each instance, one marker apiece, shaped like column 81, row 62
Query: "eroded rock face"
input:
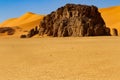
column 74, row 20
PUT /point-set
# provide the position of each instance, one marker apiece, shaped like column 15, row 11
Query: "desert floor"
column 88, row 58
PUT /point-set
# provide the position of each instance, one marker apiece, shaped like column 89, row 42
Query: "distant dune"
column 111, row 16
column 23, row 23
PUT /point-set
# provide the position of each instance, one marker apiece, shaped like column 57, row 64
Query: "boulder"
column 74, row 20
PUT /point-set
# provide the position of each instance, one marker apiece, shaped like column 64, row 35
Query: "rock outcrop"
column 31, row 33
column 8, row 30
column 74, row 20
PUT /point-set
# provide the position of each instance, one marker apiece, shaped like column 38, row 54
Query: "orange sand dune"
column 111, row 16
column 24, row 23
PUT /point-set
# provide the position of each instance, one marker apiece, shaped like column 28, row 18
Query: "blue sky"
column 16, row 8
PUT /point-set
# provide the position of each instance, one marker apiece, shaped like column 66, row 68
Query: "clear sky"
column 16, row 8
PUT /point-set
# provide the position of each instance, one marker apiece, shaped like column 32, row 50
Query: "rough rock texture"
column 74, row 20
column 8, row 30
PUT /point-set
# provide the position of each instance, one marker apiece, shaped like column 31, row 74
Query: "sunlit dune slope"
column 8, row 22
column 24, row 23
column 111, row 16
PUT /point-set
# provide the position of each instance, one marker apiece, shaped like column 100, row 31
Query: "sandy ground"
column 88, row 58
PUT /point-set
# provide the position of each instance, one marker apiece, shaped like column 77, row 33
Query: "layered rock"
column 74, row 20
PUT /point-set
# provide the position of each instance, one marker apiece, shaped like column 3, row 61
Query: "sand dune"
column 111, row 16
column 8, row 22
column 23, row 20
column 24, row 23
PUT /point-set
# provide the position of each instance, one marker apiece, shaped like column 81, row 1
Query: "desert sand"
column 84, row 58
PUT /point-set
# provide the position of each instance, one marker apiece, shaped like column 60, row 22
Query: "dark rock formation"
column 23, row 36
column 36, row 30
column 74, row 20
column 115, row 32
column 8, row 30
column 33, row 32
